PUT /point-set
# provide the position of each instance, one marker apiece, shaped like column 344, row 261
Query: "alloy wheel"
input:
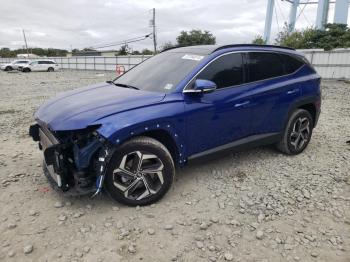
column 301, row 133
column 139, row 175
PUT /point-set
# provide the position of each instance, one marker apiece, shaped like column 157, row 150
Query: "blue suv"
column 127, row 135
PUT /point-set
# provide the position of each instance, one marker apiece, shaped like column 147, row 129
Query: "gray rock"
column 204, row 226
column 11, row 226
column 28, row 249
column 168, row 227
column 261, row 218
column 32, row 213
column 199, row 244
column 132, row 249
column 58, row 204
column 151, row 231
column 62, row 218
column 314, row 254
column 228, row 256
column 306, row 193
column 11, row 253
column 260, row 234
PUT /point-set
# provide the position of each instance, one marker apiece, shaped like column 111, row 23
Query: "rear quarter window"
column 291, row 63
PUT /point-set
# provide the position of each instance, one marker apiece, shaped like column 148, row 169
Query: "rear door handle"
column 293, row 91
column 242, row 104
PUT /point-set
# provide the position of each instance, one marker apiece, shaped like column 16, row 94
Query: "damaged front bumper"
column 70, row 166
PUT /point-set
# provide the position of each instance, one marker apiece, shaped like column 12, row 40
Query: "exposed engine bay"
column 74, row 161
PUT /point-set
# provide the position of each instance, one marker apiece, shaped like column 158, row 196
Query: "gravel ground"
column 256, row 205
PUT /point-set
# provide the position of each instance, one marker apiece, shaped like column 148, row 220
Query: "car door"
column 271, row 90
column 34, row 66
column 43, row 65
column 217, row 118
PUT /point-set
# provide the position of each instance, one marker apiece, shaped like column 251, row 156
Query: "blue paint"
column 195, row 122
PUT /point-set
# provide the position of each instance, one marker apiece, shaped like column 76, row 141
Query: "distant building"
column 27, row 56
column 94, row 53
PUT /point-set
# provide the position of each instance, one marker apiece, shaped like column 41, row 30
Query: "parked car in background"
column 42, row 65
column 14, row 65
column 127, row 135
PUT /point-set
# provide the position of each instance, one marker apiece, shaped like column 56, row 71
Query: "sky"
column 70, row 24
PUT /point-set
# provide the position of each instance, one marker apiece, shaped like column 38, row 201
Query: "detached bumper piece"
column 59, row 164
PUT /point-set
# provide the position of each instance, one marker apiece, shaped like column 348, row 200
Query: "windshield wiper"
column 123, row 85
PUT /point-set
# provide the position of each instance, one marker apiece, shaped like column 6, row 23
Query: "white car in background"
column 42, row 65
column 14, row 65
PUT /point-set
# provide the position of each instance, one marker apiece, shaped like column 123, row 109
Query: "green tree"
column 258, row 40
column 167, row 45
column 147, row 52
column 124, row 50
column 195, row 37
column 334, row 36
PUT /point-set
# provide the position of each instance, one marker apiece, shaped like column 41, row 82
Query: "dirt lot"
column 256, row 205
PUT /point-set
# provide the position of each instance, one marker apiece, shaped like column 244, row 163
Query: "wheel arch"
column 311, row 108
column 166, row 139
column 307, row 104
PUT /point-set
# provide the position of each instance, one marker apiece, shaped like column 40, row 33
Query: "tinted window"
column 162, row 72
column 262, row 65
column 224, row 71
column 291, row 64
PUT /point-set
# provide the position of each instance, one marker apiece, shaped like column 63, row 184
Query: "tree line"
column 334, row 36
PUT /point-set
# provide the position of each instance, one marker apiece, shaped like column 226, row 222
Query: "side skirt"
column 239, row 145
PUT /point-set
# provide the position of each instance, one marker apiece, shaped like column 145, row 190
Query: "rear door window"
column 263, row 65
column 225, row 71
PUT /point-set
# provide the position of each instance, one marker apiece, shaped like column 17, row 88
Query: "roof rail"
column 252, row 45
column 170, row 48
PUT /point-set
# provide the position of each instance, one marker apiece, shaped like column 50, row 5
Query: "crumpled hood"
column 81, row 107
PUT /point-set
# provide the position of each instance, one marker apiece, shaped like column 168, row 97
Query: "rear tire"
column 140, row 172
column 297, row 133
column 8, row 68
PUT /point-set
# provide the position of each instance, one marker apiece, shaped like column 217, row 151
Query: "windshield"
column 160, row 73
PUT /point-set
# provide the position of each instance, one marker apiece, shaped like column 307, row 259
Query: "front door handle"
column 242, row 104
column 293, row 91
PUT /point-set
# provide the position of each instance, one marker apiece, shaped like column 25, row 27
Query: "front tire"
column 140, row 172
column 50, row 69
column 8, row 68
column 297, row 133
column 26, row 70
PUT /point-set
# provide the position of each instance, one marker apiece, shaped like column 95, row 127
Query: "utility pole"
column 153, row 24
column 268, row 20
column 322, row 14
column 25, row 41
column 341, row 12
column 293, row 15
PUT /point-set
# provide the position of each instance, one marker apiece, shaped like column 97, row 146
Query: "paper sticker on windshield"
column 193, row 57
column 168, row 86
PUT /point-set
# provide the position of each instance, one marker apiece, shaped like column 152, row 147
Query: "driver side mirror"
column 202, row 86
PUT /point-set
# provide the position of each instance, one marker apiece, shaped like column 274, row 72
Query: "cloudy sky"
column 84, row 23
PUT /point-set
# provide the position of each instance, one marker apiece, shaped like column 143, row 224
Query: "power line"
column 127, row 41
column 302, row 10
